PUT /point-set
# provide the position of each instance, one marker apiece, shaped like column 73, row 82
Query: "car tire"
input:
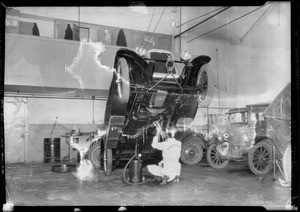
column 206, row 83
column 95, row 155
column 191, row 151
column 260, row 157
column 287, row 162
column 107, row 165
column 214, row 159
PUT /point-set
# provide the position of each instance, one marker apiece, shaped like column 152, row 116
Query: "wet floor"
column 199, row 185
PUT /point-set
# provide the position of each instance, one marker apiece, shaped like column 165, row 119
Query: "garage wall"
column 27, row 121
column 252, row 71
column 40, row 61
column 246, row 74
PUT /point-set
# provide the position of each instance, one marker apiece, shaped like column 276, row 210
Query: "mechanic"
column 167, row 170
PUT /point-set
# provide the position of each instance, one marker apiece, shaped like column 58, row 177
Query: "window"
column 278, row 110
column 286, row 107
column 283, row 109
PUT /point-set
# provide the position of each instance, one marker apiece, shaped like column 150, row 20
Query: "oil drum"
column 135, row 171
column 51, row 150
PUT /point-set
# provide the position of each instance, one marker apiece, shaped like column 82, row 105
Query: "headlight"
column 245, row 137
column 140, row 51
column 185, row 56
column 226, row 135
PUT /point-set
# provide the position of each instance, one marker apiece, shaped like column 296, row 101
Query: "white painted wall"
column 250, row 72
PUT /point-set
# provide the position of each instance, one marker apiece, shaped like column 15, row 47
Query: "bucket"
column 51, row 150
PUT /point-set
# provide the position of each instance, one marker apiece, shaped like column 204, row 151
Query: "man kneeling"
column 168, row 169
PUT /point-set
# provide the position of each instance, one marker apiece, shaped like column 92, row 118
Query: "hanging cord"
column 229, row 22
column 144, row 46
column 149, row 24
column 278, row 14
column 173, row 25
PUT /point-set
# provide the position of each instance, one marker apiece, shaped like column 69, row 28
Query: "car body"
column 148, row 88
column 251, row 134
column 277, row 134
column 261, row 125
column 233, row 140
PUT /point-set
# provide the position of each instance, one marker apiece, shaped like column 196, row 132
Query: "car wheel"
column 287, row 162
column 214, row 158
column 191, row 151
column 123, row 81
column 95, row 155
column 205, row 86
column 107, row 165
column 260, row 157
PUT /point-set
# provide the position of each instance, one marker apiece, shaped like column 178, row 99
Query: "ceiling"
column 265, row 26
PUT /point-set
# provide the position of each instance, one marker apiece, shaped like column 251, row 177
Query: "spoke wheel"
column 215, row 159
column 191, row 152
column 260, row 157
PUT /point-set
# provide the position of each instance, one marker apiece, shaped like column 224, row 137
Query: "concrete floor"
column 200, row 185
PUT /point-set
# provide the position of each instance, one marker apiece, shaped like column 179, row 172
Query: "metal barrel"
column 135, row 171
column 51, row 150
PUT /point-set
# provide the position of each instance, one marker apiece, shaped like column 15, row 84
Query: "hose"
column 124, row 173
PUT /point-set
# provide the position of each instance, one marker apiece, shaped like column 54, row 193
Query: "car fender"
column 101, row 139
column 199, row 138
column 202, row 59
column 257, row 140
column 130, row 56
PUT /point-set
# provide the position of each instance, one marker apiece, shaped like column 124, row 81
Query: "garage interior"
column 54, row 86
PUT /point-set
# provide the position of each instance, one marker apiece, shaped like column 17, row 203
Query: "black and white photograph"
column 145, row 105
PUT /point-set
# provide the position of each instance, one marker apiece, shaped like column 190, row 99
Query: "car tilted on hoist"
column 147, row 87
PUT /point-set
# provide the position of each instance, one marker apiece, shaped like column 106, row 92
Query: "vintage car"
column 278, row 134
column 233, row 140
column 148, row 86
column 251, row 133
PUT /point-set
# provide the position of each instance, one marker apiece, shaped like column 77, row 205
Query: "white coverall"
column 169, row 166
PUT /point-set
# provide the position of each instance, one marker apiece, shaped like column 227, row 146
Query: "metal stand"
column 272, row 168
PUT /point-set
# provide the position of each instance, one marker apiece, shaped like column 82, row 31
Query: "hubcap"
column 95, row 157
column 191, row 153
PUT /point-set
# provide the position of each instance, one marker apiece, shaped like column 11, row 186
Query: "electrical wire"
column 151, row 19
column 149, row 24
column 156, row 25
column 229, row 22
column 199, row 17
column 201, row 22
